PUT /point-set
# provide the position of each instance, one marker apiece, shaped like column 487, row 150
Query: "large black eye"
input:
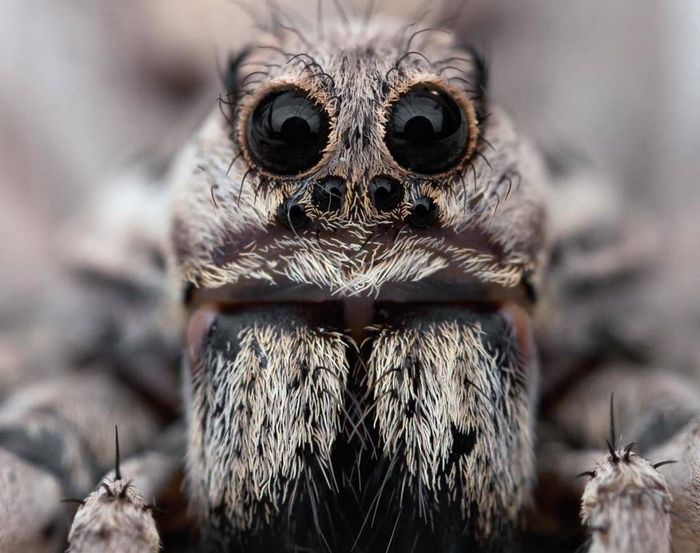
column 427, row 130
column 287, row 133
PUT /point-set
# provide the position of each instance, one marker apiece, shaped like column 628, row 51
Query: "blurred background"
column 88, row 87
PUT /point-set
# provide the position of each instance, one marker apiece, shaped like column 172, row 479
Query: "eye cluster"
column 426, row 132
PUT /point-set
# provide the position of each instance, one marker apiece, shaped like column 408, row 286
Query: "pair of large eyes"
column 426, row 131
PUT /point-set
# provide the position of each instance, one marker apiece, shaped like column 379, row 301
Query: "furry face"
column 359, row 186
column 486, row 220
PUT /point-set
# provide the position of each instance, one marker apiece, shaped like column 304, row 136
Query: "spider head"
column 362, row 163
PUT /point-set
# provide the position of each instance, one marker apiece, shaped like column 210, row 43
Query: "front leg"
column 626, row 505
column 629, row 500
column 54, row 441
column 684, row 482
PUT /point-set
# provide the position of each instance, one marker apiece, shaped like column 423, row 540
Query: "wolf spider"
column 402, row 324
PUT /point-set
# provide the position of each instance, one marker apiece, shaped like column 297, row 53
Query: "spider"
column 398, row 325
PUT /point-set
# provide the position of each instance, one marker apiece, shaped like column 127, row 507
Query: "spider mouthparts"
column 354, row 316
column 358, row 314
column 295, row 418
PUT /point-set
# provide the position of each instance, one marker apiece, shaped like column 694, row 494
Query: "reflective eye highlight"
column 287, row 133
column 427, row 130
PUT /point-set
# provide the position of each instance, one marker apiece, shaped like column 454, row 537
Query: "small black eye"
column 427, row 130
column 385, row 193
column 423, row 213
column 328, row 194
column 292, row 215
column 287, row 133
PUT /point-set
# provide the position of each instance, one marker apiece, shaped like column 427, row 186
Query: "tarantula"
column 385, row 294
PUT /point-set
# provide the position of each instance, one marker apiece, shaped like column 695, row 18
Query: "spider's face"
column 359, row 187
column 360, row 166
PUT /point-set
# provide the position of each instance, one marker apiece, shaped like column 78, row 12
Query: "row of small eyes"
column 426, row 132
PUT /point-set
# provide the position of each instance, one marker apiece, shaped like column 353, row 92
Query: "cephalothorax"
column 368, row 257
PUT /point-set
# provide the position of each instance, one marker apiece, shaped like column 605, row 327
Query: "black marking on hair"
column 235, row 62
column 611, row 442
column 482, row 156
column 465, row 81
column 411, row 53
column 233, row 160
column 252, row 74
column 240, row 189
column 80, row 502
column 449, row 67
column 481, row 66
column 310, row 65
column 188, row 293
column 663, row 463
column 117, row 469
column 227, row 117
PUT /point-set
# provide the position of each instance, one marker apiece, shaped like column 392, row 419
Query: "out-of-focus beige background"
column 86, row 87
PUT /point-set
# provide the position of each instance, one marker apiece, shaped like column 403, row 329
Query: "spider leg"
column 33, row 518
column 56, row 435
column 626, row 505
column 631, row 496
column 155, row 469
column 117, row 515
column 114, row 518
column 97, row 353
column 683, row 479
